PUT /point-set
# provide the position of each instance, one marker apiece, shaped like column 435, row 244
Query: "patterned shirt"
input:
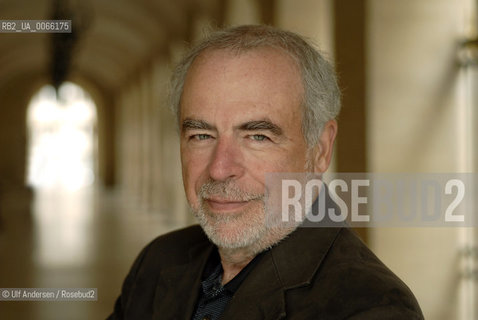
column 213, row 296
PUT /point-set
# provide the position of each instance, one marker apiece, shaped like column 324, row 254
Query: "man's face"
column 240, row 118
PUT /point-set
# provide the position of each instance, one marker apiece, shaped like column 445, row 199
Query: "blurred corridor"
column 75, row 211
column 81, row 239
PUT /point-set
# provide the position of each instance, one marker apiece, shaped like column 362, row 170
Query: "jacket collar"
column 178, row 286
column 291, row 263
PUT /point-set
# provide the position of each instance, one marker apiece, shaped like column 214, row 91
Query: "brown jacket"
column 315, row 273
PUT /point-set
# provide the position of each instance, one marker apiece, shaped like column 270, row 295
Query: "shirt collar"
column 212, row 274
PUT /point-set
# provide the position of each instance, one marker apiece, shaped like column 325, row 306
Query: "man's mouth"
column 225, row 205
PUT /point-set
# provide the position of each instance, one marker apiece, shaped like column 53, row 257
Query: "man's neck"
column 233, row 261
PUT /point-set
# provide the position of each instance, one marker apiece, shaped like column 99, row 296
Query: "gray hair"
column 321, row 100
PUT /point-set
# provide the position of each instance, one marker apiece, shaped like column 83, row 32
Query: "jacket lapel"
column 260, row 296
column 290, row 264
column 178, row 286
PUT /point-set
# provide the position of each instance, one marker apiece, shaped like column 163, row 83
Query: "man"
column 253, row 100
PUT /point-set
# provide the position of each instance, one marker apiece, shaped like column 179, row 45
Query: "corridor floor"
column 85, row 239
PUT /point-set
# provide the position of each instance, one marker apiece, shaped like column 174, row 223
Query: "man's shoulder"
column 349, row 252
column 357, row 275
column 178, row 241
column 182, row 237
column 164, row 256
column 173, row 247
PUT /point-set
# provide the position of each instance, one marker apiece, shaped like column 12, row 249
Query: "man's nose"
column 226, row 161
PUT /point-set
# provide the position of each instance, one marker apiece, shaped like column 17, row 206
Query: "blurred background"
column 89, row 155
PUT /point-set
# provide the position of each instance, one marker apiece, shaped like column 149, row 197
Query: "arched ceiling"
column 122, row 35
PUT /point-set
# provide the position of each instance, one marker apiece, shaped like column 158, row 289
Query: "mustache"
column 227, row 190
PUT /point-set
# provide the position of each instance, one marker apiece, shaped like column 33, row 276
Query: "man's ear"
column 324, row 147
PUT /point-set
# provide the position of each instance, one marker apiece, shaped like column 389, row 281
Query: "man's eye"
column 201, row 136
column 259, row 137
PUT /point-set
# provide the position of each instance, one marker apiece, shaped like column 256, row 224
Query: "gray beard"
column 249, row 229
column 245, row 229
